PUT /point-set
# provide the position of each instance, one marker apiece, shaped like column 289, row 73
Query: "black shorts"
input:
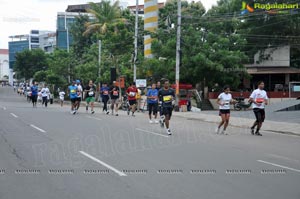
column 132, row 102
column 73, row 100
column 34, row 98
column 78, row 99
column 259, row 114
column 167, row 111
column 224, row 111
column 152, row 108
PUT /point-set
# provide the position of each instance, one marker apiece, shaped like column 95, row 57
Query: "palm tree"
column 105, row 15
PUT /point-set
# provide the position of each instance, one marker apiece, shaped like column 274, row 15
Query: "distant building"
column 273, row 67
column 4, row 64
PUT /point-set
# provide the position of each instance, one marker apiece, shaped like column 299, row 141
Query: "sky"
column 20, row 16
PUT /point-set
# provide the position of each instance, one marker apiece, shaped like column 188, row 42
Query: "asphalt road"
column 47, row 153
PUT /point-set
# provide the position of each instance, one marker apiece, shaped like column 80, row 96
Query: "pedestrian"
column 138, row 99
column 34, row 93
column 73, row 96
column 114, row 97
column 259, row 99
column 39, row 99
column 61, row 97
column 90, row 91
column 152, row 99
column 79, row 94
column 166, row 96
column 131, row 93
column 45, row 95
column 104, row 91
column 224, row 100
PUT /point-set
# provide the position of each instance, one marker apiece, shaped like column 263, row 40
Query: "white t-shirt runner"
column 225, row 99
column 62, row 95
column 79, row 92
column 259, row 96
column 45, row 92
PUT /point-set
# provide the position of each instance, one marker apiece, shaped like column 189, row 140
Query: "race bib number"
column 260, row 100
column 132, row 94
column 72, row 91
column 105, row 93
column 91, row 93
column 115, row 93
column 167, row 98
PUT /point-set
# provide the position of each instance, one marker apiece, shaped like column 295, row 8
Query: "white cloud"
column 21, row 16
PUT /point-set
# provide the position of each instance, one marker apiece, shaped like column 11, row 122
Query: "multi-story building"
column 4, row 66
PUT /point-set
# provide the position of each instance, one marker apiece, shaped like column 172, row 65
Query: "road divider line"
column 278, row 165
column 151, row 132
column 37, row 128
column 14, row 115
column 93, row 118
column 120, row 173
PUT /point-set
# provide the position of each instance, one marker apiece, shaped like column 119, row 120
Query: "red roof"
column 4, row 51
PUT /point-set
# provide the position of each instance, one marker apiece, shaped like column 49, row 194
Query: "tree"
column 105, row 15
column 28, row 62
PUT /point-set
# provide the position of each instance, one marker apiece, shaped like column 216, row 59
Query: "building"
column 141, row 9
column 273, row 67
column 4, row 64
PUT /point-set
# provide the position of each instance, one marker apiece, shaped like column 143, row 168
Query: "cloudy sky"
column 21, row 16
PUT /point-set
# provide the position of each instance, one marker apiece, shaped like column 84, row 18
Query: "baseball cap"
column 77, row 81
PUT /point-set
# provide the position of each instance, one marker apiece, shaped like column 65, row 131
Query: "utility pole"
column 68, row 46
column 135, row 39
column 178, row 50
column 99, row 61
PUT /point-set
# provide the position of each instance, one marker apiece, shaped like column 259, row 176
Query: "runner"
column 152, row 96
column 90, row 96
column 114, row 96
column 166, row 97
column 73, row 97
column 224, row 100
column 259, row 99
column 131, row 93
column 138, row 99
column 79, row 94
column 40, row 98
column 34, row 93
column 45, row 92
column 61, row 97
column 104, row 91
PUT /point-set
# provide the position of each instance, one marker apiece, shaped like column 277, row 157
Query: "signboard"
column 141, row 83
column 120, row 82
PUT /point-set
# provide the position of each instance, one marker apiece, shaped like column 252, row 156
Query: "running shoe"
column 107, row 112
column 74, row 112
column 224, row 132
column 258, row 134
column 252, row 131
column 128, row 111
column 169, row 132
column 117, row 114
column 150, row 121
column 217, row 130
column 156, row 121
column 92, row 112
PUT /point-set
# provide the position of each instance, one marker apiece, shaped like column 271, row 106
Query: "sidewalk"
column 277, row 127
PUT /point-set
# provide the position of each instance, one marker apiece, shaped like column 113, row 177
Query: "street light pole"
column 135, row 39
column 99, row 61
column 178, row 50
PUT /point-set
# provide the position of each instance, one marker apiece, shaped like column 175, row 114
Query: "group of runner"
column 258, row 98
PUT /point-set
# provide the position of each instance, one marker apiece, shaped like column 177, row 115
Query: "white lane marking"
column 282, row 157
column 120, row 173
column 94, row 118
column 4, row 108
column 14, row 115
column 37, row 128
column 151, row 132
column 278, row 165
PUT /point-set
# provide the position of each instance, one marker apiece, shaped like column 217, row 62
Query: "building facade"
column 4, row 64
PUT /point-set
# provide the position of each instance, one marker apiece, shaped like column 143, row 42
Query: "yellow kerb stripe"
column 151, row 9
column 151, row 20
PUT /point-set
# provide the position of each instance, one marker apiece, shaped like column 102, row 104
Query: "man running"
column 259, row 99
column 45, row 93
column 152, row 96
column 79, row 94
column 34, row 93
column 61, row 97
column 114, row 96
column 104, row 91
column 90, row 91
column 73, row 97
column 166, row 97
column 131, row 93
column 224, row 100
